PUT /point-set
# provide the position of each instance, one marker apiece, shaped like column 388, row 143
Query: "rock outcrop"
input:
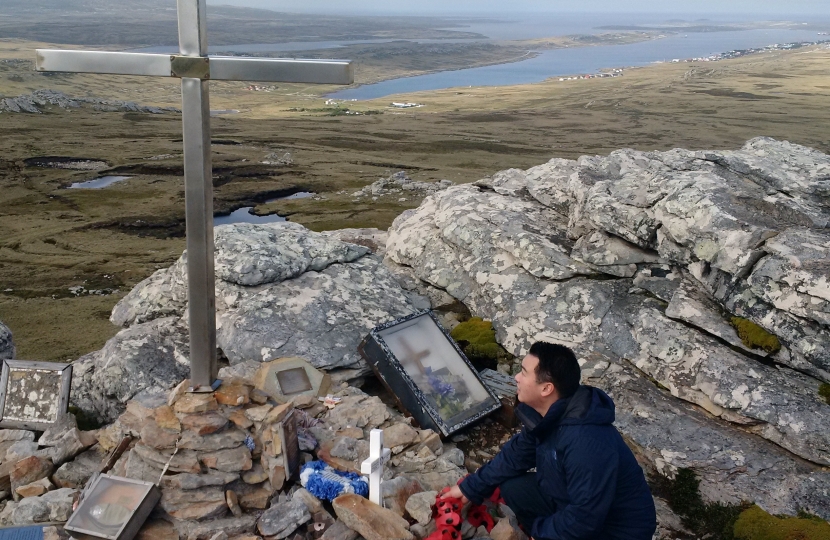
column 281, row 290
column 7, row 350
column 401, row 185
column 692, row 285
column 34, row 103
column 641, row 261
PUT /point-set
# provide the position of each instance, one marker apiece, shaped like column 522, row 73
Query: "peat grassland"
column 53, row 239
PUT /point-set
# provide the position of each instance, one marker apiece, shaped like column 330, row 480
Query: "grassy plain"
column 52, row 238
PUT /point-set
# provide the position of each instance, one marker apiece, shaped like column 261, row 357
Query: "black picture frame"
column 390, row 371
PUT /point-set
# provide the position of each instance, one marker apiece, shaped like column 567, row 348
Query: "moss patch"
column 755, row 337
column 755, row 524
column 710, row 520
column 477, row 339
column 824, row 391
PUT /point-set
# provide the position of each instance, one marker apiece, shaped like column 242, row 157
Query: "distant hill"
column 153, row 22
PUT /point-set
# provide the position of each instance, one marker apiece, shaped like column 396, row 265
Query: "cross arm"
column 234, row 68
column 221, row 68
column 116, row 63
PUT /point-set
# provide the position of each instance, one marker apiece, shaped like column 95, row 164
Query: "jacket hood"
column 588, row 405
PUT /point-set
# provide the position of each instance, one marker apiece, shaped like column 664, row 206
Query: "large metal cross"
column 195, row 69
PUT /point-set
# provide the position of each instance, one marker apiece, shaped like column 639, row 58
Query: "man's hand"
column 455, row 492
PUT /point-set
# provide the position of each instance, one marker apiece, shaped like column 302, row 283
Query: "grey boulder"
column 7, row 349
column 282, row 519
column 151, row 356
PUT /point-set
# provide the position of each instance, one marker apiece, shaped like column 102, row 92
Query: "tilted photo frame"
column 114, row 508
column 429, row 375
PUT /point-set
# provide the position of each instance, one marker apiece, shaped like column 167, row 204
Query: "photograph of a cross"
column 196, row 69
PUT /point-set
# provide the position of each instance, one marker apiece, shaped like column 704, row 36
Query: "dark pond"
column 246, row 215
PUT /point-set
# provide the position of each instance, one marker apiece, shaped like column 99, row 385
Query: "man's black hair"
column 557, row 365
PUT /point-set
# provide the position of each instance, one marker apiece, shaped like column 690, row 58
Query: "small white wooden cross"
column 373, row 465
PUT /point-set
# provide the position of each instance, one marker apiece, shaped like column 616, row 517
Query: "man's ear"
column 547, row 389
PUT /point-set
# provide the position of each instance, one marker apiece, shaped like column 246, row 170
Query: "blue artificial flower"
column 440, row 387
column 325, row 482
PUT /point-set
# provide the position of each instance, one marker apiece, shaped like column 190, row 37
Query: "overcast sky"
column 780, row 8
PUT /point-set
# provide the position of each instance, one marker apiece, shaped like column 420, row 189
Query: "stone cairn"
column 218, row 461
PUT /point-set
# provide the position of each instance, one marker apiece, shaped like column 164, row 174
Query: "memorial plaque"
column 33, row 395
column 114, row 508
column 290, row 444
column 428, row 373
column 286, row 378
column 293, row 381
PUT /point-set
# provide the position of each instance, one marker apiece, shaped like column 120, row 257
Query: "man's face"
column 530, row 391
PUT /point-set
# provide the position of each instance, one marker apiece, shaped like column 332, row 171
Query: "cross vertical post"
column 373, row 465
column 193, row 66
column 198, row 180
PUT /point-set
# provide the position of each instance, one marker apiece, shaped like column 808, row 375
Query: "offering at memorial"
column 287, row 378
column 114, row 508
column 431, row 378
column 33, row 395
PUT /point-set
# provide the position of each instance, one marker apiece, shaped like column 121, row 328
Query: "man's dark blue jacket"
column 582, row 464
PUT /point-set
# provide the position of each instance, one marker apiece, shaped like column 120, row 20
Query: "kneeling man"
column 587, row 483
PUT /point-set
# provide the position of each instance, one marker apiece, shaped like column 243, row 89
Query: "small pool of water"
column 244, row 215
column 99, row 183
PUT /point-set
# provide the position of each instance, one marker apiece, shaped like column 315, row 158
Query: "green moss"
column 712, row 520
column 755, row 524
column 824, row 391
column 755, row 337
column 477, row 339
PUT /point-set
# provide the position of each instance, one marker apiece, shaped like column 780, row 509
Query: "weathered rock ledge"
column 281, row 290
column 638, row 260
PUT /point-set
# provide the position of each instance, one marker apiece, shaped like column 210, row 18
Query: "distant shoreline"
column 578, row 74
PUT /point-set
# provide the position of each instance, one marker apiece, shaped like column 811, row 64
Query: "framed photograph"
column 33, row 395
column 114, row 508
column 420, row 363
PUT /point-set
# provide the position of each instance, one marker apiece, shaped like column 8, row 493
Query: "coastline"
column 618, row 68
column 529, row 54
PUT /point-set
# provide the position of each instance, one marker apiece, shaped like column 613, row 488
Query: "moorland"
column 58, row 244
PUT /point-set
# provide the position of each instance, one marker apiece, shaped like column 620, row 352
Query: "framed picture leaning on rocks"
column 33, row 395
column 428, row 374
column 115, row 508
